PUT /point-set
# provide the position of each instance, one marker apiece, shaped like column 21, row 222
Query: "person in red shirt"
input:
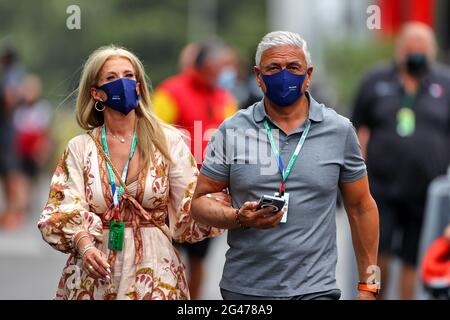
column 194, row 101
column 31, row 121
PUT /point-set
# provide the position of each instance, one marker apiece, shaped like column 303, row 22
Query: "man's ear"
column 308, row 79
column 310, row 71
column 307, row 82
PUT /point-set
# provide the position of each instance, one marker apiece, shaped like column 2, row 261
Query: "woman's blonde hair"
column 149, row 129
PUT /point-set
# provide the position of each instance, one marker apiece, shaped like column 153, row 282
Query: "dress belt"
column 140, row 217
column 129, row 224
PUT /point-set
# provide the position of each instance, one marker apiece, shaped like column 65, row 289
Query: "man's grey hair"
column 282, row 38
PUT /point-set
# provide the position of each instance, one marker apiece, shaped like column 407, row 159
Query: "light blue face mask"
column 227, row 78
column 122, row 95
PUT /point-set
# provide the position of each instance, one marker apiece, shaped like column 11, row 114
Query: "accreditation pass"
column 286, row 206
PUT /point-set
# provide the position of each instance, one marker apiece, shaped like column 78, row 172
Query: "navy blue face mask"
column 284, row 88
column 417, row 64
column 122, row 95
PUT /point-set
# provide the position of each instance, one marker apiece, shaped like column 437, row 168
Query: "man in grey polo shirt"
column 291, row 145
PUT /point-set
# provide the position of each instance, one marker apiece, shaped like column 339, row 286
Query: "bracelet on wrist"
column 373, row 287
column 86, row 249
column 238, row 220
column 77, row 242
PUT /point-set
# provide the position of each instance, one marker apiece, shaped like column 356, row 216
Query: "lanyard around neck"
column 285, row 173
column 117, row 191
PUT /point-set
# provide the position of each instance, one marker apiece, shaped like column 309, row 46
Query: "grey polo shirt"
column 299, row 256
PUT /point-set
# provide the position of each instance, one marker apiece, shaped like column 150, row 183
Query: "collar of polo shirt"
column 315, row 111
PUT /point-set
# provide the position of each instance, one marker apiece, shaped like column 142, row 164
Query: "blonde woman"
column 122, row 192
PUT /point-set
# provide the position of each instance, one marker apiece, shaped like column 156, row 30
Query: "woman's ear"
column 98, row 95
column 138, row 88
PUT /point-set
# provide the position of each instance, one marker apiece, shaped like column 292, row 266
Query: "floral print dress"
column 156, row 210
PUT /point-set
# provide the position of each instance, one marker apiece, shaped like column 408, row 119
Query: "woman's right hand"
column 223, row 197
column 96, row 264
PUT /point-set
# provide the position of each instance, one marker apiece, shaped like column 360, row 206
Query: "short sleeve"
column 216, row 165
column 353, row 167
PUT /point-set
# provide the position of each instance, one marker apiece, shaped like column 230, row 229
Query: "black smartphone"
column 276, row 203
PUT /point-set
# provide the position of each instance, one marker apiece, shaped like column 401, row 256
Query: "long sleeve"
column 183, row 175
column 67, row 211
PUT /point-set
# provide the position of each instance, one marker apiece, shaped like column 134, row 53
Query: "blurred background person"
column 195, row 95
column 402, row 114
column 237, row 78
column 196, row 101
column 31, row 121
column 11, row 76
column 187, row 56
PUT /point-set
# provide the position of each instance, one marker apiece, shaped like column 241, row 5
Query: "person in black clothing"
column 402, row 115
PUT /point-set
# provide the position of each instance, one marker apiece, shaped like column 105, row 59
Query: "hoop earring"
column 96, row 106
